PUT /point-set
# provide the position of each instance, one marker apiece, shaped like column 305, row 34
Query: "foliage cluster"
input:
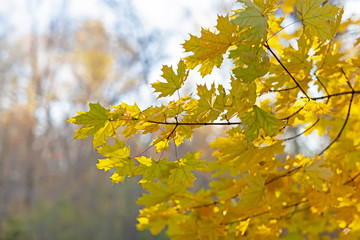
column 305, row 76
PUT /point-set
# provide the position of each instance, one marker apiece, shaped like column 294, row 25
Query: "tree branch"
column 335, row 94
column 192, row 123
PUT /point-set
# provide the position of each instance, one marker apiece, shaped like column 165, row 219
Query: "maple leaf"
column 119, row 159
column 152, row 170
column 158, row 193
column 182, row 173
column 155, row 218
column 125, row 114
column 313, row 108
column 209, row 106
column 250, row 62
column 209, row 48
column 95, row 122
column 317, row 173
column 242, row 97
column 316, row 19
column 299, row 58
column 254, row 16
column 173, row 81
column 254, row 193
column 257, row 119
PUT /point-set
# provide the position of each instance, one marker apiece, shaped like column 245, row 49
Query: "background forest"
column 55, row 56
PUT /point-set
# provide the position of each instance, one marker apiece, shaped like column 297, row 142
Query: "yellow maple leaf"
column 208, row 48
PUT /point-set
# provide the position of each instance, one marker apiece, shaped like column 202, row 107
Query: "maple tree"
column 303, row 74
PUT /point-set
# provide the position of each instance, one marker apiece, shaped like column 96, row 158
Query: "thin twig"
column 191, row 123
column 245, row 218
column 343, row 126
column 265, row 212
column 281, row 30
column 282, row 90
column 351, row 179
column 140, row 154
column 323, row 86
column 293, row 114
column 289, row 173
column 347, row 79
column 298, row 135
column 282, row 65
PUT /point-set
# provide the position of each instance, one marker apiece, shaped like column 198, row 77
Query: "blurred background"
column 55, row 56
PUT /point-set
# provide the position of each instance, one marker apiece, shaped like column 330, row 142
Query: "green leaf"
column 255, row 191
column 252, row 16
column 317, row 173
column 317, row 21
column 242, row 97
column 210, row 105
column 158, row 193
column 250, row 62
column 152, row 170
column 182, row 173
column 257, row 119
column 95, row 122
column 173, row 81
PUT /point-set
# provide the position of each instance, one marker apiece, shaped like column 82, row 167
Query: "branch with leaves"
column 253, row 186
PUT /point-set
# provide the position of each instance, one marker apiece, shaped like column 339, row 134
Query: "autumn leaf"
column 158, row 193
column 152, row 170
column 257, row 119
column 210, row 105
column 209, row 48
column 242, row 97
column 182, row 173
column 118, row 158
column 95, row 122
column 251, row 62
column 254, row 193
column 254, row 16
column 317, row 173
column 316, row 18
column 174, row 81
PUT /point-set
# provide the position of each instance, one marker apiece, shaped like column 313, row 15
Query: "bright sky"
column 176, row 17
column 159, row 14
